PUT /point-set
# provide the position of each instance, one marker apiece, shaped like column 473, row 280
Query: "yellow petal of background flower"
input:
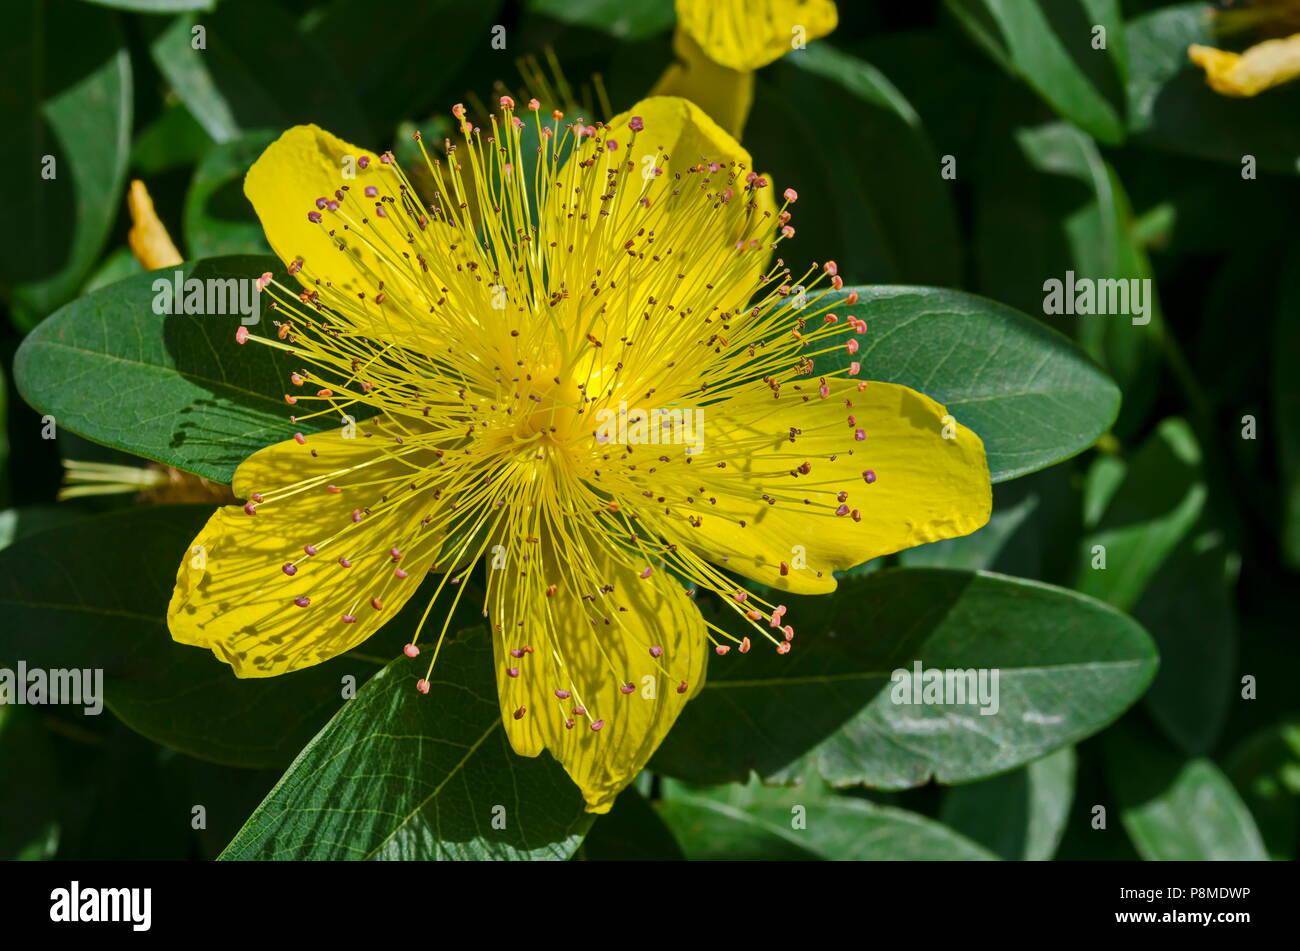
column 747, row 34
column 148, row 237
column 926, row 487
column 1261, row 67
column 588, row 643
column 232, row 595
column 725, row 94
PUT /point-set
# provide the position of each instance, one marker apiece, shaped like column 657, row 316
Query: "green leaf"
column 1171, row 107
column 631, row 832
column 1177, row 809
column 397, row 775
column 888, row 220
column 1159, row 501
column 628, row 20
column 1051, row 45
column 1048, row 204
column 1286, row 403
column 838, row 829
column 1265, row 769
column 1066, row 665
column 1019, row 815
column 157, row 6
column 218, row 218
column 1028, row 393
column 173, row 388
column 399, row 73
column 173, row 140
column 94, row 593
column 255, row 70
column 29, row 793
column 66, row 96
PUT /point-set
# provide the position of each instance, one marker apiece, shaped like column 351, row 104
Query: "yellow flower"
column 1267, row 64
column 516, row 372
column 719, row 44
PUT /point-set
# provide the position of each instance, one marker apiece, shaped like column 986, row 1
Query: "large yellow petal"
column 1261, row 67
column 587, row 643
column 676, row 136
column 929, row 481
column 725, row 94
column 307, row 164
column 232, row 594
column 746, row 34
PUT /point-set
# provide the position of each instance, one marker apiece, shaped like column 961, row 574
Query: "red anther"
column 860, row 435
column 852, row 298
column 527, row 649
column 396, row 555
column 579, row 711
column 636, row 124
column 744, row 645
column 831, row 268
column 519, row 714
column 842, row 510
column 787, row 232
column 325, row 394
column 656, row 651
column 309, row 549
column 568, row 723
column 241, row 335
column 595, row 727
column 422, row 686
column 862, row 386
column 647, row 572
column 805, row 468
column 410, row 650
column 507, row 102
column 299, row 438
column 753, row 615
column 257, row 496
column 356, row 515
column 788, row 631
column 551, row 589
column 399, row 573
column 869, row 476
column 289, row 568
column 785, row 569
column 823, row 391
column 302, row 600
column 458, row 110
column 722, row 650
column 295, row 266
column 534, row 105
column 349, row 619
column 783, row 647
column 513, row 671
column 855, row 368
column 851, row 346
column 563, row 694
column 557, row 114
column 333, row 488
column 344, row 562
column 681, row 687
column 291, row 400
column 627, row 688
column 516, row 652
column 837, row 282
column 295, row 379
column 856, row 515
column 313, row 217
column 791, row 195
column 376, row 604
column 741, row 597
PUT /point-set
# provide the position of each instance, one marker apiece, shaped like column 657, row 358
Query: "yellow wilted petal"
column 1261, row 67
column 148, row 237
column 232, row 593
column 597, row 632
column 725, row 94
column 924, row 487
column 746, row 34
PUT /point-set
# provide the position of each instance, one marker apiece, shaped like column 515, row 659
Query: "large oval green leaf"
column 1067, row 666
column 173, row 388
column 1030, row 394
column 397, row 775
column 94, row 593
